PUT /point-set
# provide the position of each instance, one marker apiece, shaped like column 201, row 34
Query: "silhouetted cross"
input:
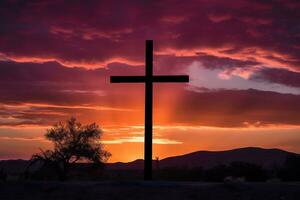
column 148, row 79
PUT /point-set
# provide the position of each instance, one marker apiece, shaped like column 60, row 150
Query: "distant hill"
column 207, row 159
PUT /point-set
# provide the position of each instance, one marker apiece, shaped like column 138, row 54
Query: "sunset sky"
column 243, row 59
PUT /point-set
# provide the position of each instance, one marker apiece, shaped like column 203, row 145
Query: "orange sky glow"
column 56, row 60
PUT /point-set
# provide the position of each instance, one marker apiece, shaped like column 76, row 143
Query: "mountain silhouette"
column 206, row 159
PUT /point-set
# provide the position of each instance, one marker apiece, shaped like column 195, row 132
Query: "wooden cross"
column 148, row 79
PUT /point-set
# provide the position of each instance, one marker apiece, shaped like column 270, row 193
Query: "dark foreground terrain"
column 148, row 190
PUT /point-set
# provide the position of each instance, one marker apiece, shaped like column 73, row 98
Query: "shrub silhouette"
column 291, row 169
column 73, row 142
column 218, row 173
column 179, row 174
column 251, row 172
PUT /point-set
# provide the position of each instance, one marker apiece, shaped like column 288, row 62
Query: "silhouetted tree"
column 216, row 173
column 73, row 142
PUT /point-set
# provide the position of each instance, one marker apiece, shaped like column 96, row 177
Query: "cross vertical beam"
column 148, row 111
column 149, row 79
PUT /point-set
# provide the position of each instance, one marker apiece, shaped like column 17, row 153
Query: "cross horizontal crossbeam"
column 143, row 79
column 149, row 79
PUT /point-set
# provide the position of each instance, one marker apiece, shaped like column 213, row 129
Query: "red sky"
column 243, row 59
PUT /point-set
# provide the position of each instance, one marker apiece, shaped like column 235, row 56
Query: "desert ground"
column 147, row 190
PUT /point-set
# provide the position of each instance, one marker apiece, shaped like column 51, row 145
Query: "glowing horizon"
column 244, row 73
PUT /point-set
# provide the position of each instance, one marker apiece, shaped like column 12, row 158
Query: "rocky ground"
column 147, row 190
